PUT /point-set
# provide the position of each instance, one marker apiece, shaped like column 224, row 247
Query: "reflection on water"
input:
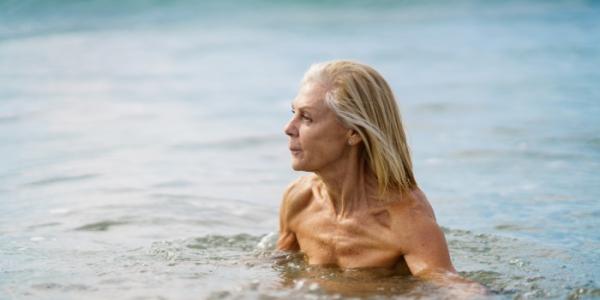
column 532, row 272
column 297, row 275
column 246, row 266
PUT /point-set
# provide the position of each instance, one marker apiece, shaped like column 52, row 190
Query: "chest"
column 355, row 242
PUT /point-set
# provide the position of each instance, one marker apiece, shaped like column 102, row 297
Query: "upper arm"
column 426, row 250
column 287, row 238
column 288, row 210
column 427, row 256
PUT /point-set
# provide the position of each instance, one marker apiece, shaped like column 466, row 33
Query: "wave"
column 509, row 267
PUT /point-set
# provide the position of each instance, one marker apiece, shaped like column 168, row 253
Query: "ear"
column 353, row 137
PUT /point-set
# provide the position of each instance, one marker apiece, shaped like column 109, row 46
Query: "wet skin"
column 336, row 217
column 400, row 234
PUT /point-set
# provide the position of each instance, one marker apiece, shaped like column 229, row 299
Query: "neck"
column 348, row 183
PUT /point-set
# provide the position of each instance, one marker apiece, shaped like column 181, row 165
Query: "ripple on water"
column 43, row 225
column 61, row 179
column 298, row 280
column 244, row 242
column 208, row 249
column 10, row 118
column 244, row 266
column 516, row 227
column 100, row 226
column 62, row 287
column 230, row 144
column 584, row 293
column 511, row 268
column 514, row 153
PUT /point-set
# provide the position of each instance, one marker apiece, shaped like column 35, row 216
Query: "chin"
column 298, row 166
column 302, row 168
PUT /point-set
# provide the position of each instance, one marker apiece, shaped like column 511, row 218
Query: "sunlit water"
column 142, row 153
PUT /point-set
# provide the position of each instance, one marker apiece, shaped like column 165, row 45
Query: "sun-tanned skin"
column 398, row 234
column 335, row 216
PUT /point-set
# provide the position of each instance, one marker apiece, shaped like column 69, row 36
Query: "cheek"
column 312, row 138
column 322, row 142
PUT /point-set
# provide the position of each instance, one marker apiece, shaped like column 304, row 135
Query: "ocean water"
column 142, row 153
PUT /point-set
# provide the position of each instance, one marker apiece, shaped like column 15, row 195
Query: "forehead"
column 310, row 95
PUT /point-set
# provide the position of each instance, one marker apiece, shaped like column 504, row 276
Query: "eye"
column 306, row 117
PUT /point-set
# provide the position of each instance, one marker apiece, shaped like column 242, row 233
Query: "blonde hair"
column 364, row 102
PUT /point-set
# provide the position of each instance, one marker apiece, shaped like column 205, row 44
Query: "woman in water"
column 361, row 207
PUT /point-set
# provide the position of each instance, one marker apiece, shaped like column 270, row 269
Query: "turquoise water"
column 143, row 156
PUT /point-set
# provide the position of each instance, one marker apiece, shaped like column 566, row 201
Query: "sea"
column 142, row 152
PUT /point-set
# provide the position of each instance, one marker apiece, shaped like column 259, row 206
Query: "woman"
column 361, row 207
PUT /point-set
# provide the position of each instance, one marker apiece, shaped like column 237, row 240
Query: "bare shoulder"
column 413, row 218
column 412, row 206
column 296, row 197
column 420, row 238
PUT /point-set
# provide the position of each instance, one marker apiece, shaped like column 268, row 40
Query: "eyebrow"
column 304, row 108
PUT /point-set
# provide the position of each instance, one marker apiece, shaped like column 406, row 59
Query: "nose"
column 290, row 128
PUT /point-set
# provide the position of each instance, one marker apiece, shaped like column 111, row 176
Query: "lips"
column 295, row 150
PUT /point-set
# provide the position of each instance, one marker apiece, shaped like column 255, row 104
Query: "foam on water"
column 249, row 267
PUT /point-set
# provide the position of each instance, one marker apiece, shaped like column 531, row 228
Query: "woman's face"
column 318, row 139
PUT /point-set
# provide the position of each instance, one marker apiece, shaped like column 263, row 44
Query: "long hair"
column 364, row 102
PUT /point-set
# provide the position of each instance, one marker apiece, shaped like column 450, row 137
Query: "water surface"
column 143, row 156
